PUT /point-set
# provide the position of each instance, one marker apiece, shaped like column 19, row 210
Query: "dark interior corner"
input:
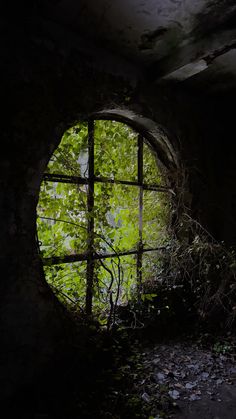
column 166, row 68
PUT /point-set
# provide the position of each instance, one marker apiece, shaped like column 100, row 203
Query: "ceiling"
column 185, row 41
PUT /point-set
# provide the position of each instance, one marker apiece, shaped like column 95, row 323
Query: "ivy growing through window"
column 101, row 216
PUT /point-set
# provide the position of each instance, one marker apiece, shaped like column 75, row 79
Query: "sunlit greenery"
column 63, row 216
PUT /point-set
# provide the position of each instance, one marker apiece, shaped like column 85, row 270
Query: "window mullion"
column 140, row 242
column 90, row 228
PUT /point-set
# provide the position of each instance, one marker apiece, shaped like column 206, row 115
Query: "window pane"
column 71, row 157
column 151, row 173
column 115, row 151
column 116, row 217
column 151, row 266
column 115, row 283
column 68, row 281
column 154, row 219
column 62, row 219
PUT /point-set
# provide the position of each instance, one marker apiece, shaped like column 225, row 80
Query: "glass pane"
column 116, row 217
column 62, row 219
column 115, row 151
column 151, row 173
column 154, row 219
column 68, row 281
column 71, row 157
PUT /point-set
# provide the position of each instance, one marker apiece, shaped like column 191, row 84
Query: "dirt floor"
column 187, row 381
column 211, row 409
column 139, row 379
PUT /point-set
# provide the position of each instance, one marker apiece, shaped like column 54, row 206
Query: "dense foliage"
column 63, row 215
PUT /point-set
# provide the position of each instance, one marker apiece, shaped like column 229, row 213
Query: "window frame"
column 91, row 255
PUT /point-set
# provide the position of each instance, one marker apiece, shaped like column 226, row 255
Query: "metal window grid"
column 91, row 255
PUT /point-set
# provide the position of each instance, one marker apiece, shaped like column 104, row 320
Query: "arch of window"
column 86, row 180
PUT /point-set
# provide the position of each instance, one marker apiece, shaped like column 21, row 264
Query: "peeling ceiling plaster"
column 163, row 35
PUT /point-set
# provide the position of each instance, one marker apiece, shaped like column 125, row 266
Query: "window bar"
column 140, row 243
column 53, row 177
column 55, row 260
column 56, row 177
column 90, row 205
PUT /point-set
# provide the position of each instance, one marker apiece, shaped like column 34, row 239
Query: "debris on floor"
column 168, row 378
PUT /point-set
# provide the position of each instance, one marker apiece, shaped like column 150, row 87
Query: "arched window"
column 101, row 215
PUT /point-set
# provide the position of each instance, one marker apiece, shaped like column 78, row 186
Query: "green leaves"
column 63, row 215
column 68, row 281
column 155, row 216
column 151, row 172
column 115, row 151
column 62, row 208
column 70, row 158
column 148, row 297
column 116, row 216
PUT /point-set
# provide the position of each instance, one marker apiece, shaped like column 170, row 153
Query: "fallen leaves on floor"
column 165, row 374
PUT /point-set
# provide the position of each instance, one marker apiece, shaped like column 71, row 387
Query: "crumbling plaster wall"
column 46, row 88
